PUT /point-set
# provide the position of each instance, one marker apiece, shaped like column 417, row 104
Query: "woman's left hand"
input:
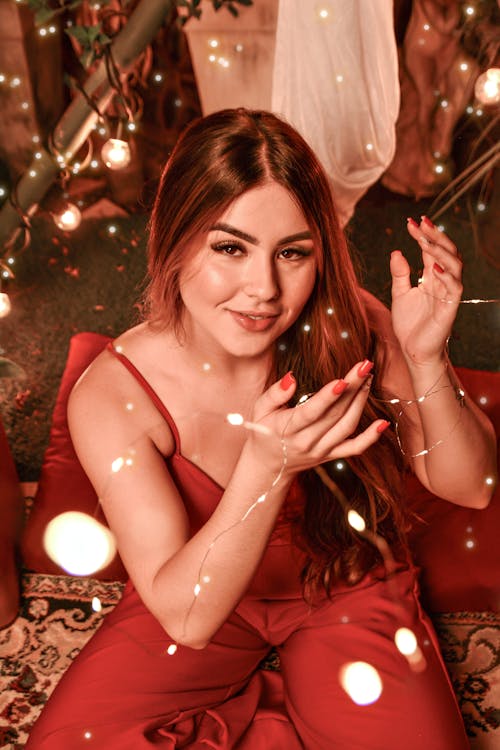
column 422, row 316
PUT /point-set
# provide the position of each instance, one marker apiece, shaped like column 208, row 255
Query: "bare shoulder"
column 109, row 410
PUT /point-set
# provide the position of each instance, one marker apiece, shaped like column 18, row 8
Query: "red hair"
column 216, row 159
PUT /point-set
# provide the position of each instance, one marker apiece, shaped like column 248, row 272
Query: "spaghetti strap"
column 110, row 346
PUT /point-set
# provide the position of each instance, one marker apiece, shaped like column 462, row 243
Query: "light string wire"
column 431, row 391
column 261, row 499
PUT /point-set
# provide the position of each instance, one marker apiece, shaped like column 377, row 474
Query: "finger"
column 400, row 272
column 334, row 428
column 355, row 446
column 331, row 400
column 436, row 247
column 275, row 397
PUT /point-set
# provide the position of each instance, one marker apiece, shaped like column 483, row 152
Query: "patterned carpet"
column 58, row 616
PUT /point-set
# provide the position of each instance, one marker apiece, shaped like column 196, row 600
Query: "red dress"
column 124, row 692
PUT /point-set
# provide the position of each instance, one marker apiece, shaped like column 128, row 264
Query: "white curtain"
column 335, row 79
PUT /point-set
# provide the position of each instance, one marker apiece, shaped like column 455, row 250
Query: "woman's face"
column 247, row 280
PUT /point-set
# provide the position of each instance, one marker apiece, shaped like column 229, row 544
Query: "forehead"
column 269, row 207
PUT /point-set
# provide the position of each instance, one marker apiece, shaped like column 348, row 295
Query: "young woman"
column 237, row 440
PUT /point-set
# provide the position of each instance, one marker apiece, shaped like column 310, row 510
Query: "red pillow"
column 63, row 484
column 10, row 525
column 458, row 548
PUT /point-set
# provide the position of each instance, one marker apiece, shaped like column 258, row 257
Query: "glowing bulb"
column 112, row 229
column 340, row 465
column 339, row 78
column 206, row 367
column 439, row 168
column 171, row 649
column 487, row 87
column 212, row 58
column 116, row 154
column 235, row 419
column 5, row 306
column 16, row 81
column 483, row 400
column 94, row 163
column 157, row 78
column 361, row 682
column 405, row 641
column 464, row 66
column 117, row 464
column 96, row 604
column 470, row 10
column 329, row 311
column 197, row 589
column 69, row 218
column 369, row 146
column 344, row 335
column 307, row 328
column 470, row 544
column 78, row 543
column 214, row 43
column 489, row 481
column 355, row 520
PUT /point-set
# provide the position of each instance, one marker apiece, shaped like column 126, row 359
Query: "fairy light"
column 306, row 328
column 487, row 87
column 238, row 48
column 213, row 43
column 3, row 192
column 5, row 305
column 131, row 127
column 426, row 27
column 470, row 544
column 362, row 682
column 96, row 604
column 116, row 154
column 483, row 400
column 32, row 173
column 469, row 10
column 223, row 62
column 117, row 465
column 172, row 649
column 206, row 367
column 339, row 78
column 69, row 218
column 94, row 163
column 129, row 406
column 344, row 335
column 355, row 520
column 439, row 168
column 481, row 206
column 464, row 66
column 212, row 58
column 489, row 481
column 87, row 735
column 369, row 146
column 79, row 543
column 329, row 311
column 406, row 641
column 112, row 229
column 339, row 465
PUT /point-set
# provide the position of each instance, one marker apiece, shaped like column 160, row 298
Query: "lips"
column 252, row 321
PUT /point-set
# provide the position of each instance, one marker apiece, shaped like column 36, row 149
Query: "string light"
column 79, row 543
column 487, row 87
column 68, row 218
column 362, row 682
column 116, row 154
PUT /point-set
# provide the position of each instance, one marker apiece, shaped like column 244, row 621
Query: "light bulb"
column 78, row 543
column 116, row 154
column 487, row 87
column 5, row 305
column 68, row 218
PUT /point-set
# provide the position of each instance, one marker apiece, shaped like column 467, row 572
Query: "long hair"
column 217, row 159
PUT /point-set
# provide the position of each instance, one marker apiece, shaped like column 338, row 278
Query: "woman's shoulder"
column 109, row 392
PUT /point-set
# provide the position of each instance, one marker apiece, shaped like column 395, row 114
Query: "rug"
column 60, row 613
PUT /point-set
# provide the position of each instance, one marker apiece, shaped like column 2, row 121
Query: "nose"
column 261, row 279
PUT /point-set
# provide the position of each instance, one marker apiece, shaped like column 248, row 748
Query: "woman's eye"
column 227, row 248
column 292, row 253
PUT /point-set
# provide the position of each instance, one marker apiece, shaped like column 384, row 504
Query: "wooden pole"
column 80, row 118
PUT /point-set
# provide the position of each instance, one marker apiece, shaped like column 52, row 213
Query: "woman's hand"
column 422, row 316
column 320, row 429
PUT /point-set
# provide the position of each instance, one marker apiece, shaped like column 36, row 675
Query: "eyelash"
column 230, row 244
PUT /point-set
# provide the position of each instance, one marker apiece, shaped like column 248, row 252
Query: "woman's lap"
column 124, row 690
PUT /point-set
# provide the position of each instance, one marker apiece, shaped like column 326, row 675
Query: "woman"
column 234, row 539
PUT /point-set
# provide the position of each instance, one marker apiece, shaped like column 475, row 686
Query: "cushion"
column 458, row 548
column 63, row 485
column 10, row 526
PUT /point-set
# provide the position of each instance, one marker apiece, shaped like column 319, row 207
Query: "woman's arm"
column 448, row 439
column 147, row 515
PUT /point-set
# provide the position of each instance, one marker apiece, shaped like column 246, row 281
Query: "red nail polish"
column 438, row 268
column 339, row 387
column 428, row 222
column 287, row 380
column 412, row 222
column 383, row 426
column 365, row 368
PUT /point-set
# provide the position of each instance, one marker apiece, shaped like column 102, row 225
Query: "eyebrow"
column 253, row 240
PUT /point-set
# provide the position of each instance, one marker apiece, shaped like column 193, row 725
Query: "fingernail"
column 412, row 222
column 427, row 222
column 383, row 426
column 364, row 368
column 339, row 387
column 287, row 380
column 438, row 268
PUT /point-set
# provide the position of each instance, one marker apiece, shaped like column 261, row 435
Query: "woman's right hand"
column 319, row 430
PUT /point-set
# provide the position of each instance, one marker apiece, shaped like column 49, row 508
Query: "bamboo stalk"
column 80, row 117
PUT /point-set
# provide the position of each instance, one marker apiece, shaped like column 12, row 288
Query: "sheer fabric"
column 335, row 79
